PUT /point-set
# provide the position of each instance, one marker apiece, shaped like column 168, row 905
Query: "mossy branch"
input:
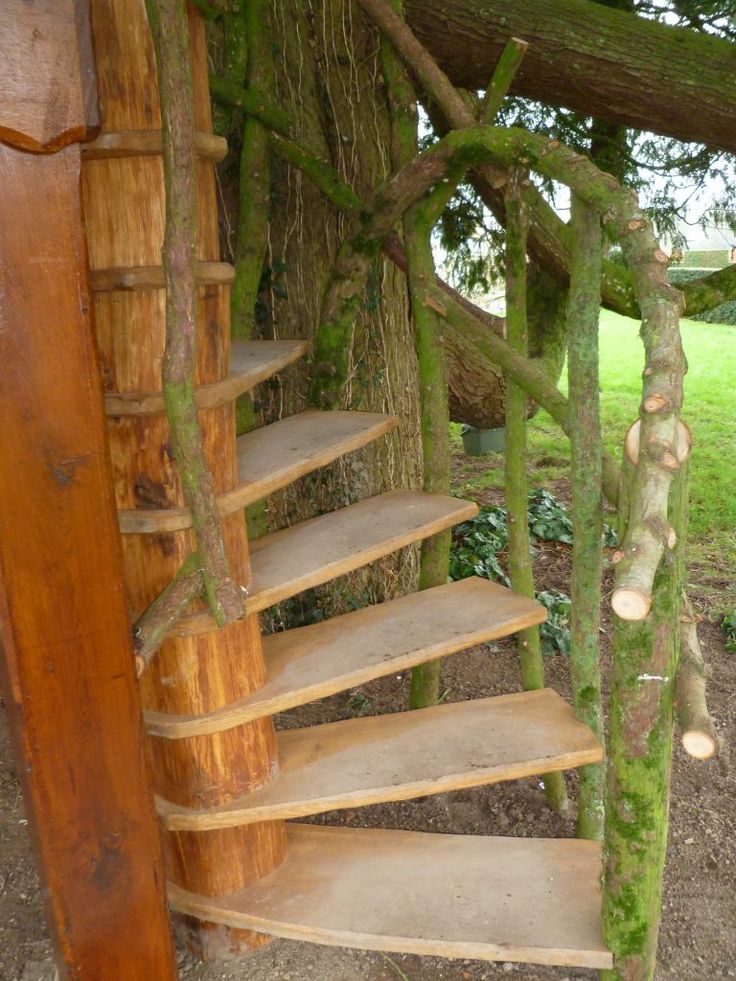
column 503, row 75
column 151, row 628
column 253, row 102
column 587, row 504
column 171, row 41
column 520, row 563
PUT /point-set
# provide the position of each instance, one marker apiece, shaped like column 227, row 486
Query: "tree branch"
column 587, row 512
column 171, row 41
column 699, row 735
column 528, row 643
column 601, row 62
column 151, row 628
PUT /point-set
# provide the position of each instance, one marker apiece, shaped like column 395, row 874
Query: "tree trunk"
column 597, row 61
column 328, row 70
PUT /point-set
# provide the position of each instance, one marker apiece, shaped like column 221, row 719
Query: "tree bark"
column 327, row 65
column 594, row 60
column 517, row 490
column 587, row 502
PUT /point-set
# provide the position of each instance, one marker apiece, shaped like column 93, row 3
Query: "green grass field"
column 709, row 410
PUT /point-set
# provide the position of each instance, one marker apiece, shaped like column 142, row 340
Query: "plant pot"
column 476, row 442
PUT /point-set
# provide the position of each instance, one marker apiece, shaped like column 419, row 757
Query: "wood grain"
column 251, row 362
column 272, row 457
column 152, row 277
column 48, row 96
column 495, row 899
column 146, row 143
column 74, row 715
column 315, row 551
column 313, row 662
column 124, row 213
column 408, row 754
column 298, row 558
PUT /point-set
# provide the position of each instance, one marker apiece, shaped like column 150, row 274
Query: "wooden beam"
column 48, row 98
column 67, row 668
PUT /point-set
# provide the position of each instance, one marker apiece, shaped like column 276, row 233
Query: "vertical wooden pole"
column 67, row 667
column 520, row 563
column 124, row 213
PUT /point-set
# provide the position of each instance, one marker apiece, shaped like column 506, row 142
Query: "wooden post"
column 124, row 214
column 67, row 667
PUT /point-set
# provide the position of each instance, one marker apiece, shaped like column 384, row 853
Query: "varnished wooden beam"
column 67, row 667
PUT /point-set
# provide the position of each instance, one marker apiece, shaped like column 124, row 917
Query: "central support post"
column 124, row 212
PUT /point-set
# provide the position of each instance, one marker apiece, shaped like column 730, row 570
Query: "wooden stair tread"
column 312, row 662
column 315, row 551
column 276, row 455
column 251, row 362
column 510, row 899
column 407, row 754
column 272, row 457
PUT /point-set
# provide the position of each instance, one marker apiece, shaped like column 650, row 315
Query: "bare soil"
column 698, row 934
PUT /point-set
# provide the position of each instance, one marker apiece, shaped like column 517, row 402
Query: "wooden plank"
column 272, row 457
column 67, row 665
column 148, row 143
column 407, row 754
column 152, row 277
column 313, row 662
column 48, row 96
column 315, row 551
column 251, row 362
column 535, row 901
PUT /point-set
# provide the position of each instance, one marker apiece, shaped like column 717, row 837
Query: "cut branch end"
column 631, row 604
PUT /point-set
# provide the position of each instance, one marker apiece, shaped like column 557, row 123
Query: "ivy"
column 729, row 628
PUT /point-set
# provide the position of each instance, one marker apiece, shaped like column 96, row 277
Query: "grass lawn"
column 709, row 410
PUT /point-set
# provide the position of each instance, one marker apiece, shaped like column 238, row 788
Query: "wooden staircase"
column 226, row 782
column 491, row 898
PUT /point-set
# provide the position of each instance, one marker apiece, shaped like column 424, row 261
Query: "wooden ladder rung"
column 315, row 551
column 530, row 900
column 272, row 457
column 152, row 277
column 251, row 362
column 404, row 755
column 313, row 662
column 148, row 143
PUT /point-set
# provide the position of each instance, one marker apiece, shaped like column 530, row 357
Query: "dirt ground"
column 698, row 934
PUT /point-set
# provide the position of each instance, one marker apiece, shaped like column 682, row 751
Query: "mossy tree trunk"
column 520, row 565
column 587, row 501
column 645, row 658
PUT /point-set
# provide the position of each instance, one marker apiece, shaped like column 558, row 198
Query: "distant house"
column 712, row 247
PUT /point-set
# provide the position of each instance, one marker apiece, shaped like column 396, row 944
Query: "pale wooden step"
column 535, row 901
column 251, row 362
column 315, row 551
column 407, row 754
column 312, row 662
column 272, row 457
